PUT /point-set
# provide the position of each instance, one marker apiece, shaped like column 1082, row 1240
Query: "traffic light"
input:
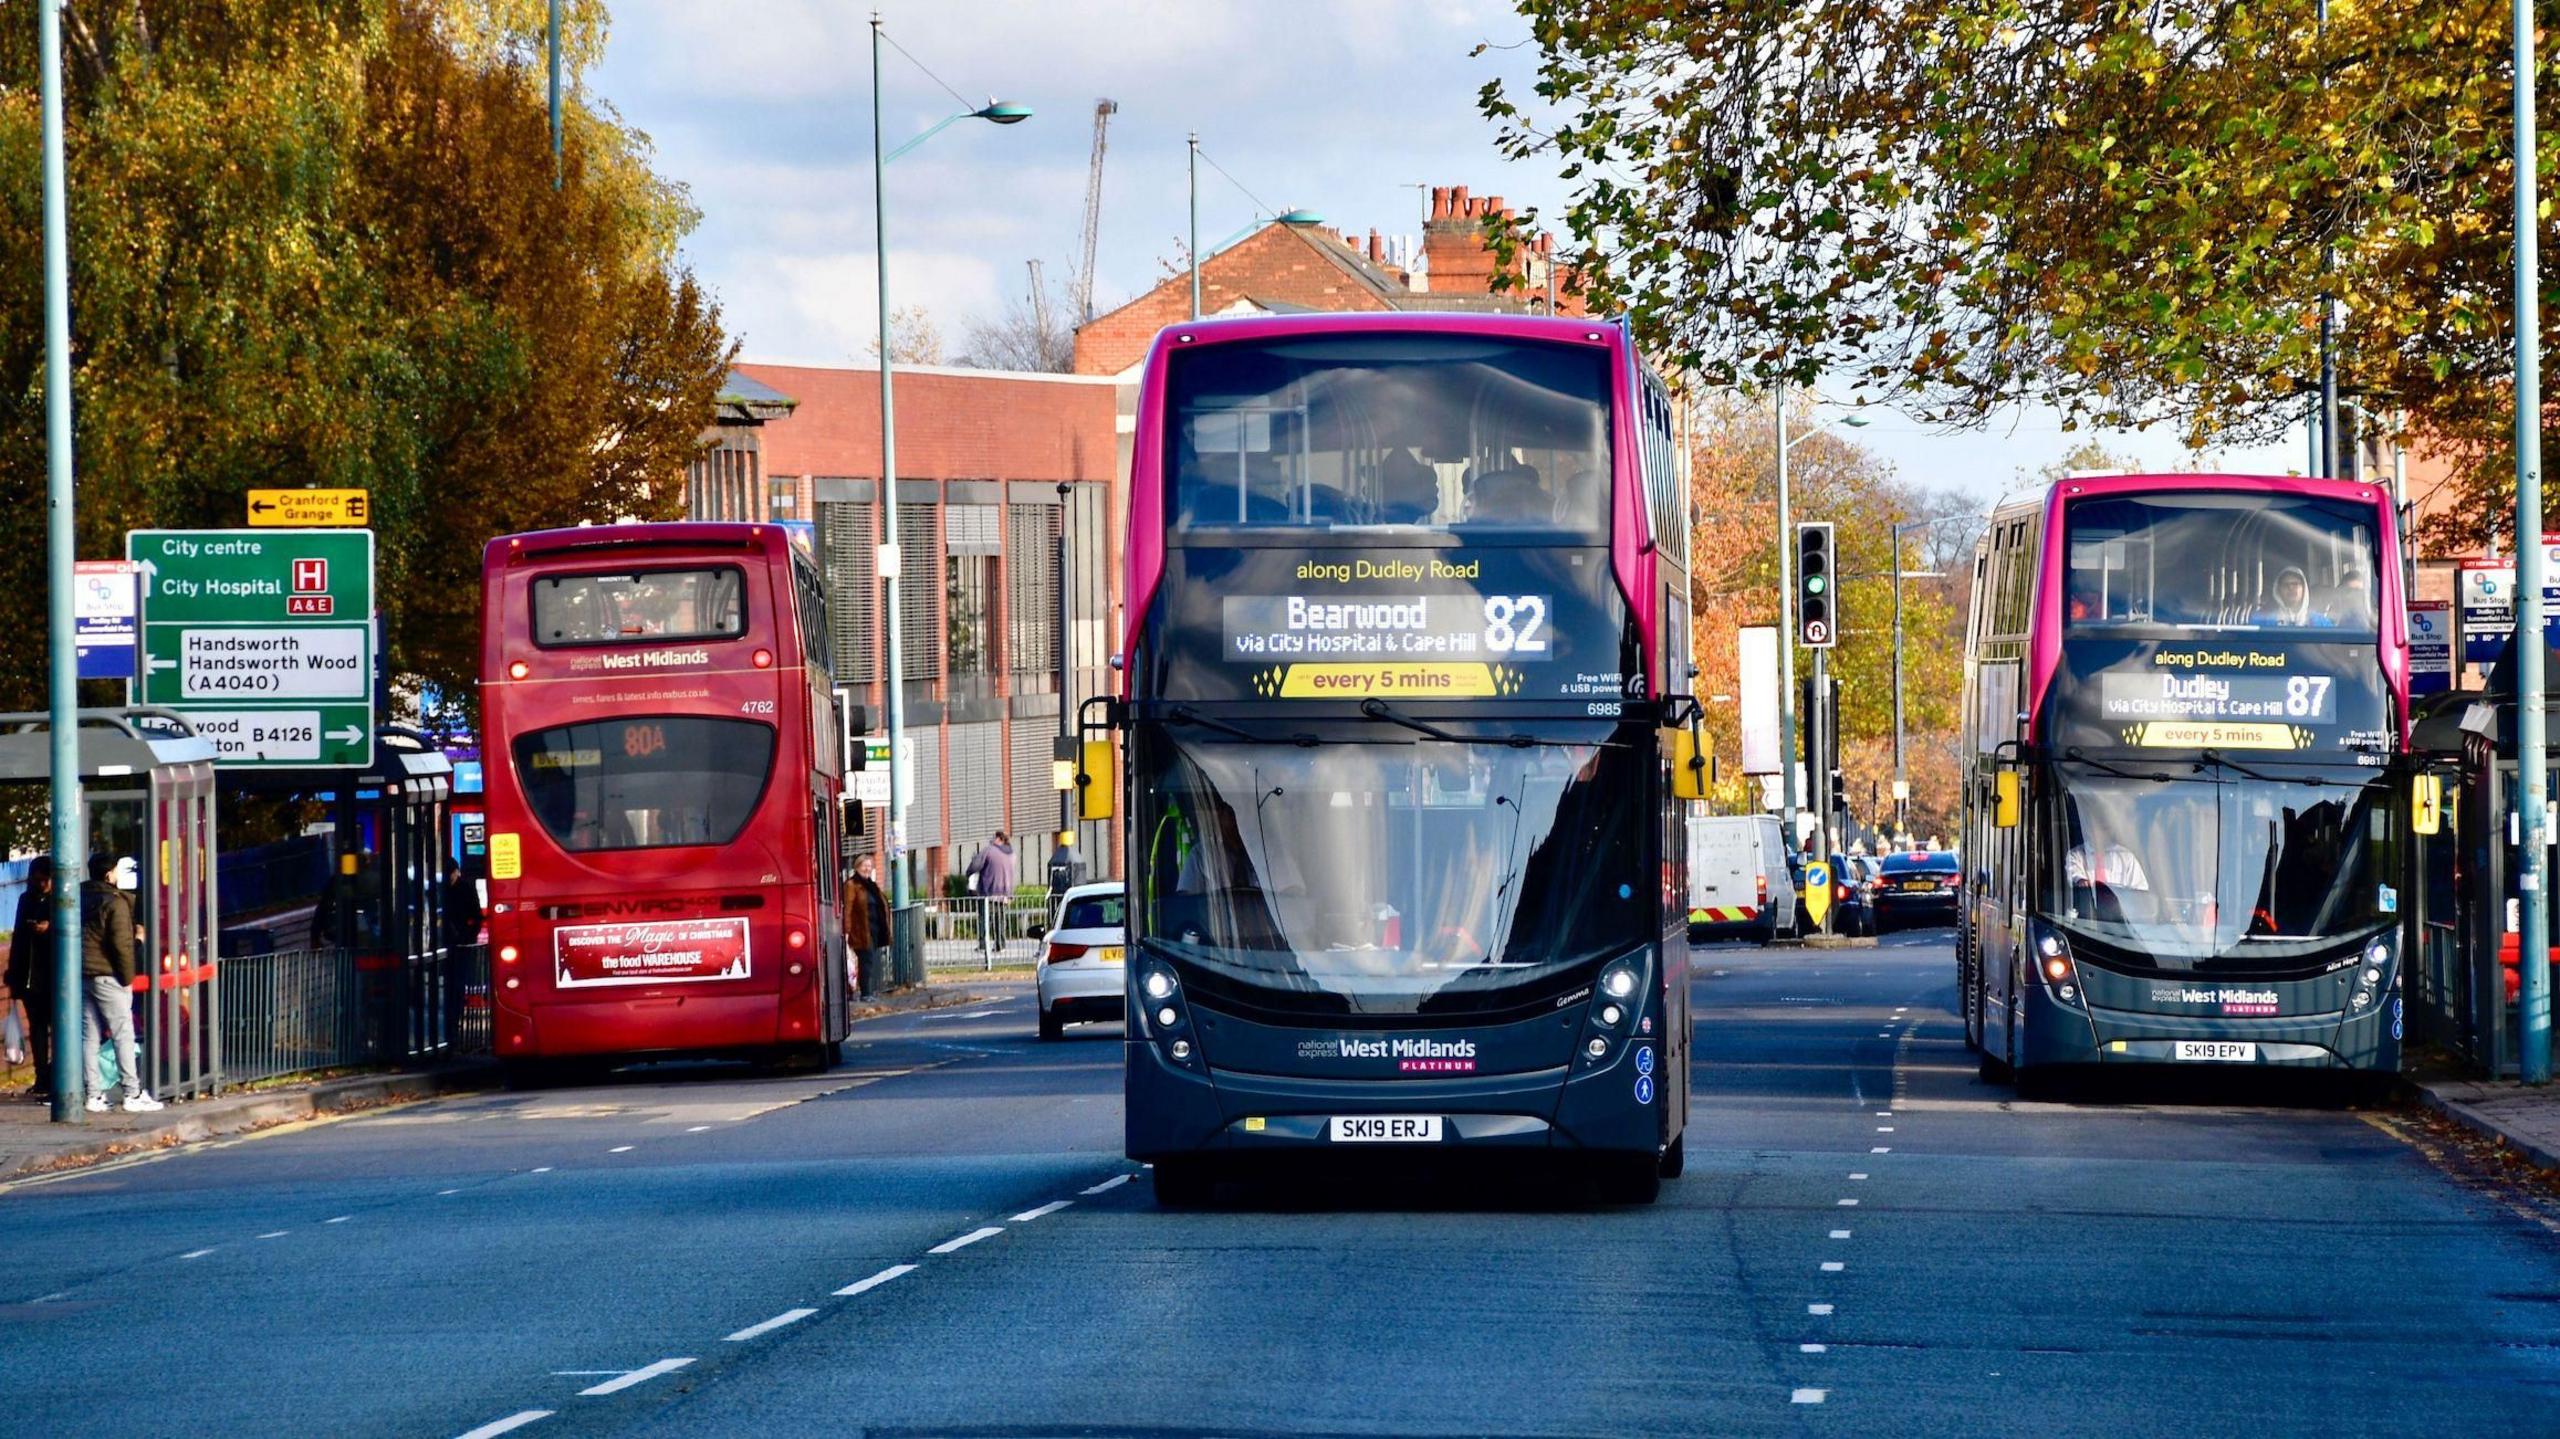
column 1839, row 792
column 1816, row 578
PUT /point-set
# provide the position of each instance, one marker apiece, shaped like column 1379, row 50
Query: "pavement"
column 31, row 1143
column 942, row 1238
column 2525, row 1119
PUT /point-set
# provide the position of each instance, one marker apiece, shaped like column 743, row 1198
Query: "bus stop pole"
column 68, row 867
column 2534, row 942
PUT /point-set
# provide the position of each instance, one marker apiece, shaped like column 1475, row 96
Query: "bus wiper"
column 2215, row 756
column 2074, row 755
column 1185, row 714
column 1381, row 710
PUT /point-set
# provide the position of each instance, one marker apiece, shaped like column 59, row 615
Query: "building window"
column 969, row 613
column 784, row 494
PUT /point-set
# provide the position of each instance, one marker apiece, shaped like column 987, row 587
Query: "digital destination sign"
column 2253, row 695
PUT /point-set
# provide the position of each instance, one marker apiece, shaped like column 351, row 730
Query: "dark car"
column 1918, row 887
column 1850, row 912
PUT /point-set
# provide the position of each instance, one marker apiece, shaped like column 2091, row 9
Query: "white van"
column 1739, row 882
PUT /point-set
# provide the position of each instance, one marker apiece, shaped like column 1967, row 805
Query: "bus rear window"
column 645, row 783
column 695, row 604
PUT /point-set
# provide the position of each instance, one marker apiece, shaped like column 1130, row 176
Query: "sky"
column 1344, row 107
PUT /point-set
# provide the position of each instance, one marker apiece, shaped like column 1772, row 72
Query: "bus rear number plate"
column 2223, row 1049
column 1386, row 1129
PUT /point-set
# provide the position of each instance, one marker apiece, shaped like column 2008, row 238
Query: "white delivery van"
column 1739, row 883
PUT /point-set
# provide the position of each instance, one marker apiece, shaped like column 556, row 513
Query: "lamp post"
column 1194, row 243
column 994, row 112
column 1299, row 217
column 1787, row 613
column 2534, row 918
column 70, row 1073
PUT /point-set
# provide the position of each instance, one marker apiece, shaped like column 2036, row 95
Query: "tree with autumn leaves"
column 2133, row 210
column 317, row 242
column 1733, row 550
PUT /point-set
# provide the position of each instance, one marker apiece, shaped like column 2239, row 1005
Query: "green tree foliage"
column 316, row 242
column 2132, row 209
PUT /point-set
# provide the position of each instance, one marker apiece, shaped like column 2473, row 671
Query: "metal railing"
column 974, row 932
column 311, row 1009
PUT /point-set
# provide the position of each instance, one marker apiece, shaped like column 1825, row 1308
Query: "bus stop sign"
column 263, row 639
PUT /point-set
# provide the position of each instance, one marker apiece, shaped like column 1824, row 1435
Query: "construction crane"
column 1103, row 110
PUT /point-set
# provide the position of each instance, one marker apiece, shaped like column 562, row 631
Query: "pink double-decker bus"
column 1404, row 718
column 2186, row 699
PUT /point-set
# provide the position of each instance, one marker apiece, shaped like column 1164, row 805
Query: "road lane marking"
column 1884, row 1129
column 541, row 1169
column 1809, row 1396
column 1832, row 1266
column 196, row 1253
column 1884, row 1114
column 965, row 1240
column 1848, row 1204
column 619, row 1149
column 1839, row 1233
column 441, row 1193
column 1052, row 1207
column 1817, row 1309
column 697, row 1129
column 1857, row 1176
column 275, row 1234
column 1114, row 1182
column 787, row 1316
column 875, row 1281
column 641, row 1375
column 508, row 1425
column 341, row 1219
column 1813, row 1349
column 1881, row 1149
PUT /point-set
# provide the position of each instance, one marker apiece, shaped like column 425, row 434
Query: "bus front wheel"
column 1183, row 1183
column 1675, row 1160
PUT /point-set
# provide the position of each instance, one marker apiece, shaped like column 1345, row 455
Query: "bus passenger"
column 1513, row 496
column 2291, row 602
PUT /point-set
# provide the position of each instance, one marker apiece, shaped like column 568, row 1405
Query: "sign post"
column 264, row 640
column 2430, row 647
column 103, row 619
column 309, row 509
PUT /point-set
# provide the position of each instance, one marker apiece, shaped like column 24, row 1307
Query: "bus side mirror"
column 2004, row 800
column 2426, row 803
column 1690, row 752
column 1097, row 779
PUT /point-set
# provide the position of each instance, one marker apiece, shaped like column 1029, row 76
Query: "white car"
column 1084, row 958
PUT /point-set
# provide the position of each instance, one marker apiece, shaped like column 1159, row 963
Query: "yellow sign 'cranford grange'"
column 309, row 509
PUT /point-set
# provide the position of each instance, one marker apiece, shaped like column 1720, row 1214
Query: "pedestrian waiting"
column 107, row 937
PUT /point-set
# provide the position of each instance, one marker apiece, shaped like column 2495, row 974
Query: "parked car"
column 1740, row 882
column 1918, row 887
column 1851, row 911
column 1084, row 956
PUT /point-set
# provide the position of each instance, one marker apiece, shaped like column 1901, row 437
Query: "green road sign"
column 263, row 639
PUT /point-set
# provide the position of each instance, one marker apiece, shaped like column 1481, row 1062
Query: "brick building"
column 982, row 457
column 726, row 481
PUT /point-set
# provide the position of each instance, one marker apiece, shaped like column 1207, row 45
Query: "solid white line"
column 195, row 1254
column 1832, row 1266
column 1810, row 1396
column 619, row 1149
column 641, row 1375
column 1114, row 1182
column 275, row 1234
column 507, row 1425
column 972, row 1237
column 1817, row 1309
column 1813, row 1349
column 876, row 1280
column 341, row 1219
column 1839, row 1233
column 1052, row 1207
column 787, row 1316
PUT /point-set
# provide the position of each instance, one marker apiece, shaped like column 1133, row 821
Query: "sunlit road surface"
column 941, row 1238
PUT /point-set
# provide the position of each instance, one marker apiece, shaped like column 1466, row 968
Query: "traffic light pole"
column 1817, row 766
column 1787, row 638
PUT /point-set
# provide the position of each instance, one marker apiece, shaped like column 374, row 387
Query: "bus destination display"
column 2247, row 696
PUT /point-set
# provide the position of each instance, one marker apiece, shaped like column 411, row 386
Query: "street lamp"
column 1300, row 218
column 1787, row 610
column 994, row 112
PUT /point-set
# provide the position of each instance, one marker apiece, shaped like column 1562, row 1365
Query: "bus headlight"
column 1597, row 1047
column 1619, row 983
column 1158, row 984
column 1612, row 1016
column 2055, row 967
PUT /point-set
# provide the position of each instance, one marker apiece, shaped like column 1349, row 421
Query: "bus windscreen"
column 645, row 783
column 2237, row 561
column 650, row 605
column 1431, row 431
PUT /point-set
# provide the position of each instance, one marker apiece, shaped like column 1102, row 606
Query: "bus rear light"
column 514, row 983
column 507, row 954
column 763, row 659
column 518, row 669
column 796, row 938
column 793, row 968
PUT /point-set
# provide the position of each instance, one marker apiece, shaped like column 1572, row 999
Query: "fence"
column 310, row 1009
column 975, row 932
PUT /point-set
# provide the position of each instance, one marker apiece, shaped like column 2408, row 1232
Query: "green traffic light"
column 1814, row 584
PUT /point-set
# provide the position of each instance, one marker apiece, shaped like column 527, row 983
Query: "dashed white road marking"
column 1052, row 1207
column 1881, row 1149
column 619, row 1149
column 341, row 1219
column 965, row 1240
column 197, row 1253
column 508, row 1425
column 1813, row 1349
column 1848, row 1204
column 787, row 1316
column 1884, row 1114
column 1884, row 1129
column 1839, row 1233
column 697, row 1129
column 641, row 1375
column 1114, row 1182
column 1832, row 1266
column 1810, row 1396
column 540, row 1169
column 275, row 1234
column 441, row 1193
column 875, row 1281
column 1817, row 1309
column 1857, row 1176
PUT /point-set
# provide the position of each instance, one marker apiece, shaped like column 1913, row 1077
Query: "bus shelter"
column 2461, row 927
column 147, row 792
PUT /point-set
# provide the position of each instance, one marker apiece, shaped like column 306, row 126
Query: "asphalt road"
column 1868, row 1241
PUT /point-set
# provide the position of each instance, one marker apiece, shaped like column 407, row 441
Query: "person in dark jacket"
column 30, row 976
column 107, row 935
column 866, row 925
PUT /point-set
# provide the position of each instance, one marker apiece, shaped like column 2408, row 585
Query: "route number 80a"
column 1512, row 624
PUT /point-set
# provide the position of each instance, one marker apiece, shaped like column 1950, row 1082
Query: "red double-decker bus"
column 663, row 769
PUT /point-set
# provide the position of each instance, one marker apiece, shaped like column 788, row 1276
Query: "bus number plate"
column 2224, row 1049
column 1386, row 1129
